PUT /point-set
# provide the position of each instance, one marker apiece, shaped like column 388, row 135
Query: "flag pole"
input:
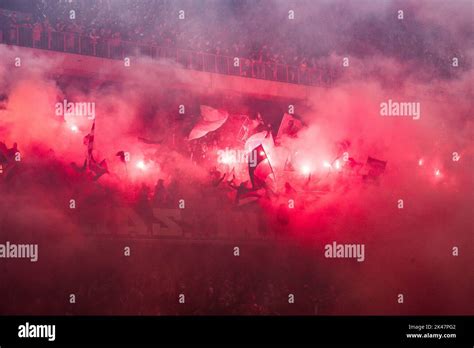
column 266, row 156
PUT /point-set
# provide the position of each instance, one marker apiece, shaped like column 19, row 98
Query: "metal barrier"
column 70, row 42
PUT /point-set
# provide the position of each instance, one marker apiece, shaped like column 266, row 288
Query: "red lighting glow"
column 141, row 165
column 227, row 160
column 305, row 169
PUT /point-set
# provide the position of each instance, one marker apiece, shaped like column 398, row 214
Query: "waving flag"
column 261, row 169
column 375, row 168
column 264, row 138
column 244, row 130
column 289, row 126
column 98, row 168
column 211, row 120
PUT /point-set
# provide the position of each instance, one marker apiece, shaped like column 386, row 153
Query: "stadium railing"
column 70, row 42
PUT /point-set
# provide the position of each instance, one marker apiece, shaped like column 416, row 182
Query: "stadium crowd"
column 225, row 30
